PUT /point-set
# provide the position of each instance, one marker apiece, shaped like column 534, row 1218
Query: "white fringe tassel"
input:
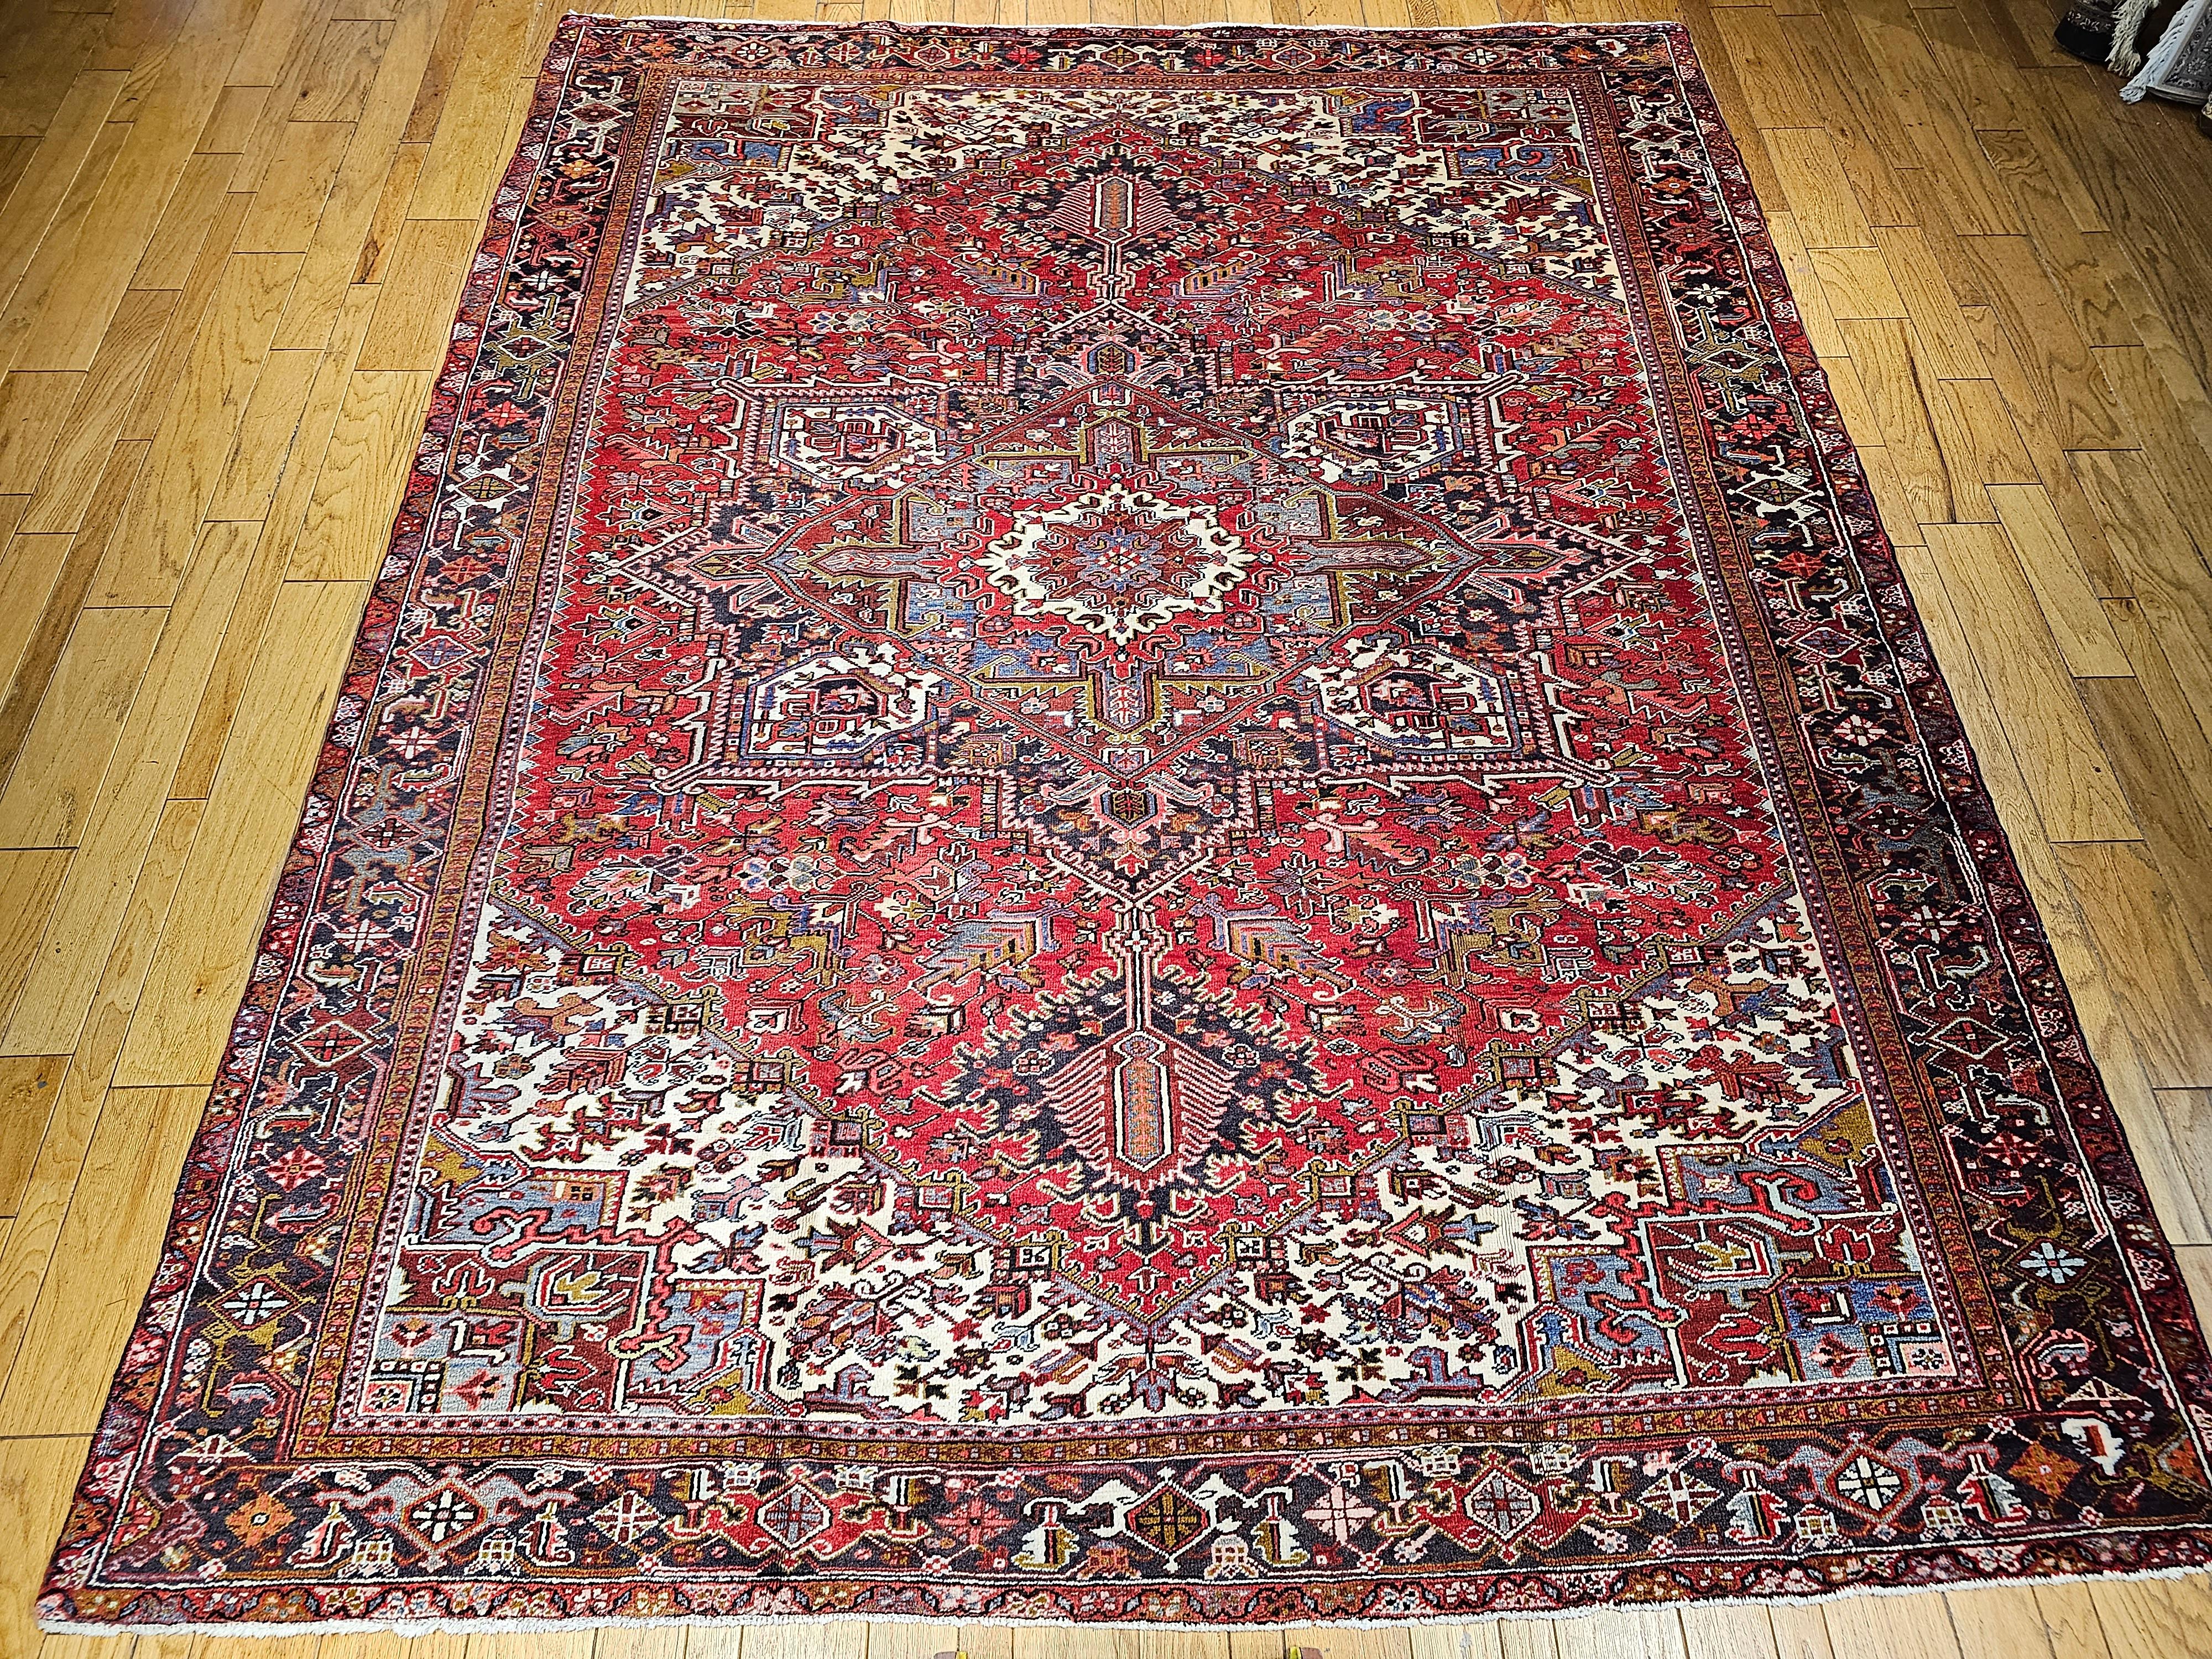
column 2127, row 22
column 2165, row 53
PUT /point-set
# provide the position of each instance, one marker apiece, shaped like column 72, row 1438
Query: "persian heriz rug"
column 1138, row 826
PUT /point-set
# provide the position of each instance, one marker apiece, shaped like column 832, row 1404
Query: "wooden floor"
column 234, row 232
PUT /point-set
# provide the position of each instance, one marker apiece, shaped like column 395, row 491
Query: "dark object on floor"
column 2085, row 30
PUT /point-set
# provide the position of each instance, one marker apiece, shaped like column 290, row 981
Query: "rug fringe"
column 494, row 1626
column 788, row 25
column 2127, row 24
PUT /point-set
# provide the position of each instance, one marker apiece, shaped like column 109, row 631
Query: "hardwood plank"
column 2070, row 1620
column 1850, row 398
column 255, row 1647
column 1460, row 1642
column 2060, row 586
column 36, row 1479
column 414, row 315
column 1975, row 435
column 64, row 975
column 274, row 53
column 1775, row 89
column 110, row 1240
column 1887, row 1627
column 2181, row 378
column 1949, row 250
column 390, row 214
column 34, row 409
column 1987, row 92
column 30, row 568
column 1857, row 282
column 265, row 434
column 2166, row 574
column 348, row 523
column 838, row 1641
column 26, row 1097
column 177, row 239
column 2077, row 262
column 85, row 450
column 1820, row 196
column 237, row 114
column 2155, row 209
column 74, row 310
column 2034, row 422
column 181, row 334
column 663, row 1644
column 1813, row 309
column 2186, row 736
column 2068, row 165
column 2155, row 975
column 138, row 31
column 2188, row 1120
column 2046, row 336
column 53, row 166
column 15, row 151
column 1847, row 100
column 471, row 145
column 342, row 70
column 1622, row 1633
column 287, row 35
column 1723, row 1632
column 199, row 969
column 241, row 640
column 1900, row 520
column 1337, row 1642
column 30, row 881
column 318, row 418
column 1928, row 299
column 46, row 48
column 292, row 194
column 2175, row 432
column 82, row 1089
column 146, row 560
column 577, row 1645
column 348, row 222
column 899, row 1641
column 437, row 78
column 57, row 245
column 51, row 788
column 2155, row 1618
column 35, row 639
column 1959, row 176
column 1901, row 395
column 443, row 1645
column 2179, row 840
column 2066, row 770
column 1800, row 1631
column 1999, row 1623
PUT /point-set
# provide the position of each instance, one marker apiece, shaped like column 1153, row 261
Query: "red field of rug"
column 1138, row 826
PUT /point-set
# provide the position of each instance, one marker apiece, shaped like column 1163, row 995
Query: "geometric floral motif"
column 1138, row 826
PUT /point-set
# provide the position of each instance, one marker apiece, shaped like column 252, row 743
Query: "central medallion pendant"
column 1117, row 562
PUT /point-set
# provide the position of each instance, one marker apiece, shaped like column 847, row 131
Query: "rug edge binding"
column 408, row 1629
column 786, row 25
